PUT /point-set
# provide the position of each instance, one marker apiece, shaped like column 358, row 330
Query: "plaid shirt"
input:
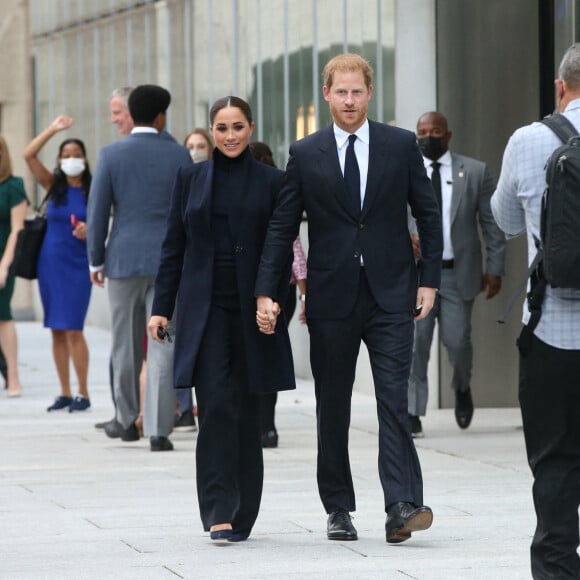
column 516, row 206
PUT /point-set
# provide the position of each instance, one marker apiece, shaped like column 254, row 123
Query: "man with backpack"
column 549, row 389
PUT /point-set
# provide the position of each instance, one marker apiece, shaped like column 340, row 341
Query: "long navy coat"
column 186, row 272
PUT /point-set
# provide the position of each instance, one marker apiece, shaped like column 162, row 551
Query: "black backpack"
column 557, row 261
column 560, row 221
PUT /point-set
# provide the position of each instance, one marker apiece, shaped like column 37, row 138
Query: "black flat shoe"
column 339, row 526
column 404, row 518
column 160, row 444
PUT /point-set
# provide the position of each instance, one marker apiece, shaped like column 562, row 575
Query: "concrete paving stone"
column 75, row 504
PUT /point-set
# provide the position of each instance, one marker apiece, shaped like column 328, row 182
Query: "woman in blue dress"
column 63, row 268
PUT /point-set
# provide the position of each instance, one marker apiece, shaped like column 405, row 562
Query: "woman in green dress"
column 13, row 206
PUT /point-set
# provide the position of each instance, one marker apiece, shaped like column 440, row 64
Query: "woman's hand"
column 80, row 231
column 62, row 123
column 154, row 323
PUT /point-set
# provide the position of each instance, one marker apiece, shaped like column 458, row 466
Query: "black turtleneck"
column 229, row 183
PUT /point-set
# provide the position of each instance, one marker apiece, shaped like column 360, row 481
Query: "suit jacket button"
column 238, row 249
column 357, row 254
column 361, row 226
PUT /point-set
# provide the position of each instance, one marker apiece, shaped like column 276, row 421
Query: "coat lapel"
column 458, row 187
column 378, row 163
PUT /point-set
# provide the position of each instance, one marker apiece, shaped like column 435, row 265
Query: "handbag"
column 29, row 243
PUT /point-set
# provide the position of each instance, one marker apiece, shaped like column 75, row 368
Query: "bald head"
column 433, row 135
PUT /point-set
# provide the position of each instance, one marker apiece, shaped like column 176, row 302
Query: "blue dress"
column 63, row 266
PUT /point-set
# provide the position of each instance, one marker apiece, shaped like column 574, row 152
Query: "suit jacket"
column 186, row 272
column 338, row 236
column 470, row 203
column 134, row 178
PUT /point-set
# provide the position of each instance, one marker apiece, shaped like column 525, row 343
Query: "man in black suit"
column 355, row 179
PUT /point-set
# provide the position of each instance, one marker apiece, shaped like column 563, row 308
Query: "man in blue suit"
column 134, row 178
column 355, row 179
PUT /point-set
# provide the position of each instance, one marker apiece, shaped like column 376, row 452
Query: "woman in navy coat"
column 216, row 228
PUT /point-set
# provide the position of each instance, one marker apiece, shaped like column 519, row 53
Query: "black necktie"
column 436, row 181
column 352, row 174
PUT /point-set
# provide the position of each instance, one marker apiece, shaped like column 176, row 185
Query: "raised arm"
column 30, row 154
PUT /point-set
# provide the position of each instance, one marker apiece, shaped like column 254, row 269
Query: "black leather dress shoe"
column 340, row 526
column 404, row 518
column 463, row 408
column 270, row 439
column 160, row 444
column 115, row 430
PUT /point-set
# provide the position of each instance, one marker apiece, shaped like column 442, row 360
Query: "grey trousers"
column 130, row 301
column 454, row 317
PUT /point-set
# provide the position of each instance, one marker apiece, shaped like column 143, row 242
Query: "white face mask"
column 198, row 155
column 72, row 166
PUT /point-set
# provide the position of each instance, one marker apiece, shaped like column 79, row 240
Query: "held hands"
column 425, row 299
column 62, row 123
column 267, row 312
column 154, row 323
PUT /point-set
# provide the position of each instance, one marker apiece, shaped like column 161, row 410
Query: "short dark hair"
column 146, row 102
column 230, row 102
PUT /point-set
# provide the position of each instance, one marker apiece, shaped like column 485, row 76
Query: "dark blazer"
column 338, row 236
column 186, row 272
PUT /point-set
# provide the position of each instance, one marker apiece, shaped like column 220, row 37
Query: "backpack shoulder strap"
column 561, row 125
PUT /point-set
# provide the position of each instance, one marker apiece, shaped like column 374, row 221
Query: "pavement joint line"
column 354, row 550
column 132, row 547
column 173, row 572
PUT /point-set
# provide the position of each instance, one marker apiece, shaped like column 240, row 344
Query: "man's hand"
column 267, row 312
column 426, row 299
column 492, row 284
column 98, row 278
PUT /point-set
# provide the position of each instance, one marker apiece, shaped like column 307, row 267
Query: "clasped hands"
column 267, row 312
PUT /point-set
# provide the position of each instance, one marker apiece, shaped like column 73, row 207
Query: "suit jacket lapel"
column 458, row 187
column 378, row 162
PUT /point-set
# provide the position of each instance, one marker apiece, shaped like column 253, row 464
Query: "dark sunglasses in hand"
column 162, row 334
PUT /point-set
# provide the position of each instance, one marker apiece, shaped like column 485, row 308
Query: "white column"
column 415, row 61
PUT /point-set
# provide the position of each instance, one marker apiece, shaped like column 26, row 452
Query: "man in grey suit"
column 464, row 188
column 134, row 177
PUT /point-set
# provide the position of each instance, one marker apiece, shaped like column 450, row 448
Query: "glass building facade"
column 269, row 52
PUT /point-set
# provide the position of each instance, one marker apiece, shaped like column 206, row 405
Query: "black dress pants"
column 229, row 463
column 268, row 401
column 334, row 348
column 549, row 395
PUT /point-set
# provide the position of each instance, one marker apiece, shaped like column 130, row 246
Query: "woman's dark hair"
column 262, row 153
column 57, row 192
column 230, row 102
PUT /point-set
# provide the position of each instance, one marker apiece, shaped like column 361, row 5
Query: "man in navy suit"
column 355, row 180
column 134, row 178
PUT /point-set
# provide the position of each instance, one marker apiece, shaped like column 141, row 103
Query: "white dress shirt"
column 361, row 150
